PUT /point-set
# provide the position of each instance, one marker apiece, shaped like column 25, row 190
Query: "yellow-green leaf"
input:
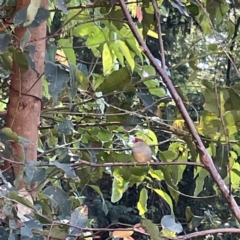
column 142, row 203
column 166, row 197
column 126, row 54
column 107, row 59
column 118, row 188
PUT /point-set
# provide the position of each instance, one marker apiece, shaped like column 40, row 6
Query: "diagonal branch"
column 204, row 155
column 159, row 29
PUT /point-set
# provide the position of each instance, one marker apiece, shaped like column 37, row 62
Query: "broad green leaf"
column 170, row 155
column 221, row 10
column 67, row 46
column 20, row 58
column 85, row 29
column 83, row 80
column 157, row 174
column 235, row 175
column 151, row 229
column 115, row 81
column 24, row 201
column 204, row 22
column 107, row 59
column 97, row 80
column 212, row 47
column 119, row 186
column 193, row 76
column 142, row 202
column 96, row 38
column 126, row 53
column 165, row 197
column 203, row 173
column 133, row 44
column 210, row 123
column 104, row 136
column 10, row 134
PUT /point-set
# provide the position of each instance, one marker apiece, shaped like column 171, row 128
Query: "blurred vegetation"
column 99, row 88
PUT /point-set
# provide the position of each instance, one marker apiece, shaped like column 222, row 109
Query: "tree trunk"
column 24, row 106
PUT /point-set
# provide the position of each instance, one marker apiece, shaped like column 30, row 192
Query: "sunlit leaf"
column 166, row 197
column 119, row 186
column 142, row 202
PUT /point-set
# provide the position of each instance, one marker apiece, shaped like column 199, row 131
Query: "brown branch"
column 204, row 155
column 207, row 232
column 122, row 164
column 157, row 15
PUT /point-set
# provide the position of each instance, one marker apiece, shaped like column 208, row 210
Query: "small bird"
column 141, row 152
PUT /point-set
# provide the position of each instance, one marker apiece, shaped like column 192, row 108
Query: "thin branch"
column 158, row 19
column 123, row 164
column 204, row 155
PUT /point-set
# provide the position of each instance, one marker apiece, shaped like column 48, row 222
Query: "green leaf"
column 142, row 202
column 166, row 197
column 126, row 53
column 157, row 174
column 104, row 135
column 170, row 155
column 67, row 45
column 10, row 134
column 21, row 60
column 115, row 81
column 83, row 80
column 107, row 59
column 119, row 186
column 24, row 201
column 154, row 88
column 152, row 229
column 200, row 181
column 85, row 29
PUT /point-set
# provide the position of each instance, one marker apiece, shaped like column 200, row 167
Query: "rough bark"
column 24, row 106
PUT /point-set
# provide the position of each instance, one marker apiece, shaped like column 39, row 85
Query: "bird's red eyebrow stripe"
column 138, row 140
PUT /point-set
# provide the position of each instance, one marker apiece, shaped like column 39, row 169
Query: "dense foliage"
column 99, row 89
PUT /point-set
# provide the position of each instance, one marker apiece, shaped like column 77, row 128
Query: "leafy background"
column 99, row 88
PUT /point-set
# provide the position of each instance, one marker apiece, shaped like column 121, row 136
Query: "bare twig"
column 122, row 164
column 158, row 19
